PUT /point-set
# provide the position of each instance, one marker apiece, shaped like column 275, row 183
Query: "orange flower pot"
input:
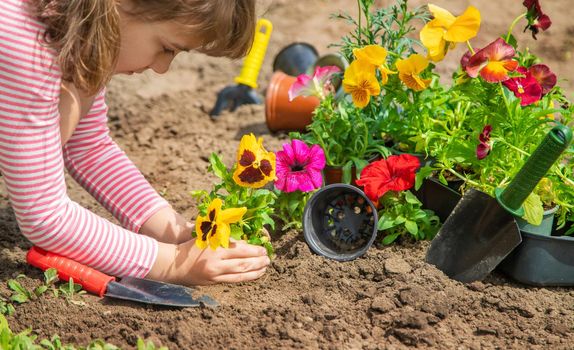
column 333, row 175
column 282, row 114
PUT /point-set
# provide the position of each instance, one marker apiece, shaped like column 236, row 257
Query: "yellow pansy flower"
column 361, row 82
column 213, row 229
column 255, row 166
column 377, row 56
column 409, row 70
column 445, row 30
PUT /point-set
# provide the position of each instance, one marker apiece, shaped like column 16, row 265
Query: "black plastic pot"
column 340, row 222
column 437, row 197
column 295, row 59
column 541, row 261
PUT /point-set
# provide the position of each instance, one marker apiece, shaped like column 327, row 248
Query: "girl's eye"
column 168, row 51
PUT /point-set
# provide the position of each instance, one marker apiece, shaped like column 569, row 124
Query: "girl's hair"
column 86, row 33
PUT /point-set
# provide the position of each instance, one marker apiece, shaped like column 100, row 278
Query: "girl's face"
column 150, row 45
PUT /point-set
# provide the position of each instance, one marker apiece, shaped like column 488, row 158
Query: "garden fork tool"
column 244, row 92
column 481, row 231
column 128, row 288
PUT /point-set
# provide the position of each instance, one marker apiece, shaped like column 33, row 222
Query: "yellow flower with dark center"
column 361, row 82
column 255, row 166
column 445, row 30
column 409, row 70
column 377, row 56
column 213, row 229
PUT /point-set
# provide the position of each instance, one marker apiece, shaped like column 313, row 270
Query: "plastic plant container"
column 340, row 222
column 541, row 261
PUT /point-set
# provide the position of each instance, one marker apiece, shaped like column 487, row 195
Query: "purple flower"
column 299, row 167
column 483, row 148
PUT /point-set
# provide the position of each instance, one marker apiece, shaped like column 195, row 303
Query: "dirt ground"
column 389, row 299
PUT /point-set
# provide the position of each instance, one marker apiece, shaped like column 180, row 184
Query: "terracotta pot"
column 282, row 114
column 334, row 174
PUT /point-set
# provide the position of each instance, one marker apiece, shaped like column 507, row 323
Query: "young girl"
column 55, row 58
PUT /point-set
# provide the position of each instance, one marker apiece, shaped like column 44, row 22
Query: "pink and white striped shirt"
column 32, row 161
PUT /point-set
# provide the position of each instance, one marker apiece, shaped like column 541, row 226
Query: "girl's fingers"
column 240, row 249
column 239, row 277
column 232, row 266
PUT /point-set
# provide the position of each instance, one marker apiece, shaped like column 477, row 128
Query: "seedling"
column 70, row 290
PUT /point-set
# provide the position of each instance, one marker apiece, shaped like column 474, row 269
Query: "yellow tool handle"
column 254, row 59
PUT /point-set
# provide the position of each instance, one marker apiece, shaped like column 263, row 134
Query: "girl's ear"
column 126, row 6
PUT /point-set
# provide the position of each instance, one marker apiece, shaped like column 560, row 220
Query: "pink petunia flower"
column 493, row 62
column 526, row 87
column 317, row 85
column 483, row 148
column 298, row 167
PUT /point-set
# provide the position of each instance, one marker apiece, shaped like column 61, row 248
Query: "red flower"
column 396, row 173
column 483, row 148
column 493, row 62
column 544, row 76
column 526, row 88
column 537, row 20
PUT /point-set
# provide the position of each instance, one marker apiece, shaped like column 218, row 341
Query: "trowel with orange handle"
column 127, row 288
column 244, row 92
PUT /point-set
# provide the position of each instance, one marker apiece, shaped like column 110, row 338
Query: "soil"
column 390, row 298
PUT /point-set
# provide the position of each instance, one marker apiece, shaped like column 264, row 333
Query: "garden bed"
column 390, row 297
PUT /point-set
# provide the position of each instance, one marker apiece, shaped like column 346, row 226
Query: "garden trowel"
column 128, row 288
column 481, row 230
column 244, row 92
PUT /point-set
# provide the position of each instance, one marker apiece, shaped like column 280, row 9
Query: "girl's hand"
column 188, row 265
column 168, row 226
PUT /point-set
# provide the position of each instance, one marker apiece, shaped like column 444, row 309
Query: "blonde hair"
column 86, row 33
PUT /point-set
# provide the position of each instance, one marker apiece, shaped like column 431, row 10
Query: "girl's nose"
column 161, row 64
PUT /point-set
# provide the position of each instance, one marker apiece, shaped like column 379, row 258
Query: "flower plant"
column 387, row 182
column 244, row 203
column 478, row 127
column 299, row 169
column 501, row 104
column 238, row 206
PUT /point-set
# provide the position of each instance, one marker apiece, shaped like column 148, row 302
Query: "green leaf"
column 423, row 173
column 20, row 298
column 411, row 198
column 412, row 227
column 347, row 172
column 217, row 166
column 40, row 290
column 390, row 238
column 17, row 287
column 533, row 209
column 50, row 276
column 236, row 232
column 511, row 41
column 385, row 223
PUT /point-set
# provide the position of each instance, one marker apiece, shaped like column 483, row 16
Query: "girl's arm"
column 31, row 158
column 165, row 225
column 96, row 162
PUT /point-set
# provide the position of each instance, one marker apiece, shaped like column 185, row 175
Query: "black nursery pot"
column 295, row 59
column 340, row 222
column 437, row 197
column 541, row 260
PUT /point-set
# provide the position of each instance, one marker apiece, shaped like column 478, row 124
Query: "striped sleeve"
column 31, row 158
column 103, row 169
